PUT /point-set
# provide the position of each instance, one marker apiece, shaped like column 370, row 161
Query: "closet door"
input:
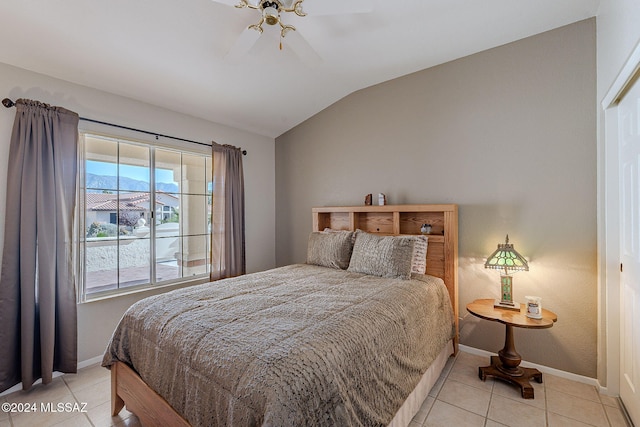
column 629, row 158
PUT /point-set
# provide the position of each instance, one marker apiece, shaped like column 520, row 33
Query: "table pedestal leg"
column 506, row 366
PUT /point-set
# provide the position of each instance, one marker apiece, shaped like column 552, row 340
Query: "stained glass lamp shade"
column 506, row 259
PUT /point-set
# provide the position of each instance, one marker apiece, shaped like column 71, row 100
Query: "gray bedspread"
column 299, row 345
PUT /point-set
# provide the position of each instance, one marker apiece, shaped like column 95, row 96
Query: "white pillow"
column 419, row 257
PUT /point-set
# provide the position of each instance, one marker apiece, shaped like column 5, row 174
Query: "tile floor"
column 461, row 399
column 91, row 386
column 458, row 399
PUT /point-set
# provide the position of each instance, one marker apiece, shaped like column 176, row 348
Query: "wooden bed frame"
column 127, row 388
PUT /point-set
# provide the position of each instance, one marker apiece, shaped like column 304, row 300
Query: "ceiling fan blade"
column 243, row 44
column 235, row 2
column 336, row 7
column 227, row 2
column 302, row 49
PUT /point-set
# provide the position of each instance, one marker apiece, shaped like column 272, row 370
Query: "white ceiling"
column 171, row 53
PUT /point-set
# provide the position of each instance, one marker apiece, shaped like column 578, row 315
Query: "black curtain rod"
column 9, row 103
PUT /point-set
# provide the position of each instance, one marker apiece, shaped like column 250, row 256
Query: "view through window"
column 146, row 215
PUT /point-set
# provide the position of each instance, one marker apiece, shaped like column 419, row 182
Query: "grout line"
column 546, row 401
column 486, row 418
column 78, row 402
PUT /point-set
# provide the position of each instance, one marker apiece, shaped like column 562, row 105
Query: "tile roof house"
column 104, row 207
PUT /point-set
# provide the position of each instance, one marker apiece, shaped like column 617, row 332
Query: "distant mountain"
column 97, row 183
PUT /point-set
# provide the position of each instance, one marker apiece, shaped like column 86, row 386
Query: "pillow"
column 383, row 256
column 419, row 257
column 333, row 230
column 330, row 249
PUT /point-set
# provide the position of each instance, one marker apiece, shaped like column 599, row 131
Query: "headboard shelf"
column 442, row 249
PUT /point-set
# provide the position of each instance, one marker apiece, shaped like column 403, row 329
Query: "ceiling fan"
column 277, row 13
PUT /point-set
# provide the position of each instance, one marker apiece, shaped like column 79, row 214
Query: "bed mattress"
column 297, row 345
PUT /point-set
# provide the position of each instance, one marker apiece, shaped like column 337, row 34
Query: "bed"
column 305, row 344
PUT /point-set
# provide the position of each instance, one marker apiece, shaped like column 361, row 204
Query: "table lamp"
column 506, row 259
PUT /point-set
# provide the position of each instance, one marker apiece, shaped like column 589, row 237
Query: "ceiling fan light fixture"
column 271, row 15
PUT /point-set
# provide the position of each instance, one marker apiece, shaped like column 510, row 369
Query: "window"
column 145, row 215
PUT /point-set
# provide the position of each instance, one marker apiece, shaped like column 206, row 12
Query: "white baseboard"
column 544, row 369
column 89, row 362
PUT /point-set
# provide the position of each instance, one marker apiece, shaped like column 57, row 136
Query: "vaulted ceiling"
column 174, row 53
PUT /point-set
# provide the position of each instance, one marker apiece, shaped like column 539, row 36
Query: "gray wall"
column 509, row 134
column 96, row 320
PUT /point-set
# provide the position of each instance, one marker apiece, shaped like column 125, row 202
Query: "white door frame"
column 609, row 231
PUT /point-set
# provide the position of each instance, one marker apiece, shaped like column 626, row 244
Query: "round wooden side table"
column 506, row 366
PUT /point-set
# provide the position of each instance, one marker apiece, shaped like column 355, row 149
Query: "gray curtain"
column 38, row 333
column 227, row 228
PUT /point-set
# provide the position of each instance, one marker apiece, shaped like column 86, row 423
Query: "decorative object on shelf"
column 425, row 229
column 382, row 199
column 368, row 200
column 506, row 259
column 534, row 307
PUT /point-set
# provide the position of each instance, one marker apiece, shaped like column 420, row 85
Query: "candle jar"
column 534, row 307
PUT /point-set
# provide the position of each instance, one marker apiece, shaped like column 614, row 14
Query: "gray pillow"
column 383, row 256
column 331, row 249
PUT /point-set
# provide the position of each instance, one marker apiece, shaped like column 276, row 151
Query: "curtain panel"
column 227, row 228
column 38, row 328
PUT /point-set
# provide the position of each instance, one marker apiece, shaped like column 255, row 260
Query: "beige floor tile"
column 505, row 389
column 100, row 416
column 444, row 415
column 609, row 400
column 491, row 423
column 574, row 388
column 94, row 395
column 576, row 408
column 79, row 420
column 5, row 423
column 468, row 374
column 466, row 397
column 41, row 393
column 41, row 419
column 4, row 416
column 448, row 365
column 132, row 421
column 616, row 417
column 514, row 413
column 87, row 376
column 556, row 420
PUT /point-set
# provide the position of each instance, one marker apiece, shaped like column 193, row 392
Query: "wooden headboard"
column 442, row 249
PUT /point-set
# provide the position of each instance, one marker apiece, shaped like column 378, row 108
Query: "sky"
column 139, row 173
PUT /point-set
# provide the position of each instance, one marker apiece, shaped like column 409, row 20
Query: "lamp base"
column 514, row 307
